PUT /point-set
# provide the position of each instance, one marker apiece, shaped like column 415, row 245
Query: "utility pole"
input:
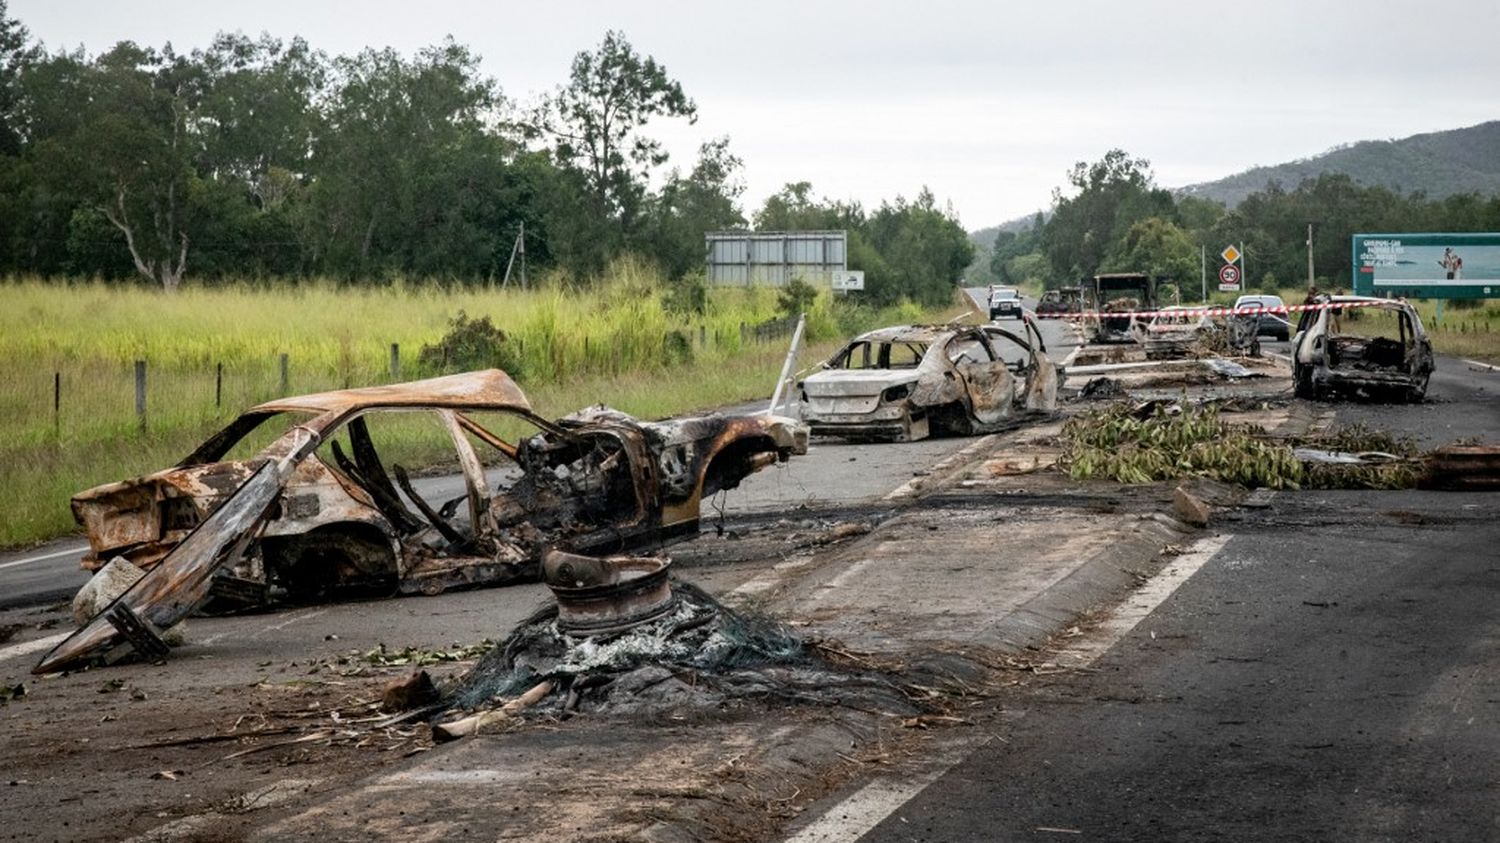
column 1244, row 270
column 1309, row 257
column 1203, row 270
column 521, row 238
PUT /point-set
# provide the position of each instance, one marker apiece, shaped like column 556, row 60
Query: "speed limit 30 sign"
column 1229, row 277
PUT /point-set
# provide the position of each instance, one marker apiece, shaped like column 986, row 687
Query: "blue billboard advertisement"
column 1427, row 266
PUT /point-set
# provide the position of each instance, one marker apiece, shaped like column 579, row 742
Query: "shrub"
column 470, row 344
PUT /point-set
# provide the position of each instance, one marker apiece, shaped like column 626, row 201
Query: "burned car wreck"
column 304, row 518
column 1328, row 362
column 901, row 383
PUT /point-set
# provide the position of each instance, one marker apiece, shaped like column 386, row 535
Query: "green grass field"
column 603, row 345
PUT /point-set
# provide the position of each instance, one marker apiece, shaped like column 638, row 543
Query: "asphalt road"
column 1332, row 673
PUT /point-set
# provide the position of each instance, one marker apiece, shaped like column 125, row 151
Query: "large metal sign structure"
column 1426, row 265
column 775, row 258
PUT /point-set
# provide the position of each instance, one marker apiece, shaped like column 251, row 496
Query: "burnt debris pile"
column 624, row 639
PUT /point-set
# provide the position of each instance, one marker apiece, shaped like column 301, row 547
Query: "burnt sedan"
column 1388, row 357
column 315, row 512
column 906, row 382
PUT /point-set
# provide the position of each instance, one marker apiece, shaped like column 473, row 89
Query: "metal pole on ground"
column 786, row 368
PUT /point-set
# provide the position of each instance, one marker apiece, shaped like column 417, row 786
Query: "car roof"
column 487, row 389
column 907, row 333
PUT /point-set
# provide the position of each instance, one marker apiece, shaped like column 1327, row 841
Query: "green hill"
column 1438, row 164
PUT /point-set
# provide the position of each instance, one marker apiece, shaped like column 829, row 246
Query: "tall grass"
column 607, row 342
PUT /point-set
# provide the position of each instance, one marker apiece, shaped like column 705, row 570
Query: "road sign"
column 848, row 279
column 1230, row 254
column 1229, row 277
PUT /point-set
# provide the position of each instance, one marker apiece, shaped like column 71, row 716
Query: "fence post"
column 702, row 336
column 742, row 333
column 218, row 385
column 285, row 380
column 395, row 361
column 140, row 393
column 56, row 403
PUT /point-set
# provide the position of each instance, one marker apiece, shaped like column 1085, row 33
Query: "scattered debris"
column 1189, row 508
column 168, row 775
column 1470, row 468
column 420, row 657
column 1101, row 388
column 12, row 692
column 1165, row 441
column 409, row 692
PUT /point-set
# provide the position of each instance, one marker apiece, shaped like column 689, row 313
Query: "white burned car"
column 905, row 382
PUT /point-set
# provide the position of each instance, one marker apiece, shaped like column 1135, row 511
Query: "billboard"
column 775, row 258
column 1426, row 266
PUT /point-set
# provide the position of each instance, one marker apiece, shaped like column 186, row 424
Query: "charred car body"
column 900, row 383
column 1061, row 300
column 595, row 481
column 1120, row 292
column 1327, row 362
column 1176, row 332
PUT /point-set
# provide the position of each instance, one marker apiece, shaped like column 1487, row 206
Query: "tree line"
column 263, row 158
column 1113, row 217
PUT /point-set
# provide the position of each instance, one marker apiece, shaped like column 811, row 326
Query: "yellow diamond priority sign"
column 1230, row 254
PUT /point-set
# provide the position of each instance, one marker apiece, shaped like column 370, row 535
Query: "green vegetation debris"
column 418, row 657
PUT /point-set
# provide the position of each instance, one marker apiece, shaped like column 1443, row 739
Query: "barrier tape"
column 1211, row 311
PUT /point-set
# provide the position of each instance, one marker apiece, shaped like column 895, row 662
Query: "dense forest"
column 1112, row 216
column 258, row 158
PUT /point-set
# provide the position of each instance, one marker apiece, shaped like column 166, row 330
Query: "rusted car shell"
column 1327, row 362
column 596, row 481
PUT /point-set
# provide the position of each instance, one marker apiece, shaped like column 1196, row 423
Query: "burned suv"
column 1388, row 359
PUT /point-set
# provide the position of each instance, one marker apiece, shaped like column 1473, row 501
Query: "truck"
column 1117, row 292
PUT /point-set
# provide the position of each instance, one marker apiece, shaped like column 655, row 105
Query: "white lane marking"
column 850, row 819
column 1142, row 603
column 1485, row 366
column 910, row 487
column 855, row 816
column 42, row 558
column 297, row 618
column 28, row 647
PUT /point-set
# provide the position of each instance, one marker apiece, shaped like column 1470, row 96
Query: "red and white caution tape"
column 1210, row 311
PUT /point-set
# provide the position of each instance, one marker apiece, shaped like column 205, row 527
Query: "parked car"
column 1267, row 324
column 1392, row 363
column 906, row 382
column 1005, row 303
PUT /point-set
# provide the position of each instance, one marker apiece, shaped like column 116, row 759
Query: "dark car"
column 1271, row 321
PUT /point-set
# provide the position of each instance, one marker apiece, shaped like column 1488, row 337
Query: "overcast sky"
column 987, row 103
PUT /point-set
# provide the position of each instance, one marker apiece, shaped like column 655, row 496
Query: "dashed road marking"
column 28, row 647
column 44, row 557
column 867, row 807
